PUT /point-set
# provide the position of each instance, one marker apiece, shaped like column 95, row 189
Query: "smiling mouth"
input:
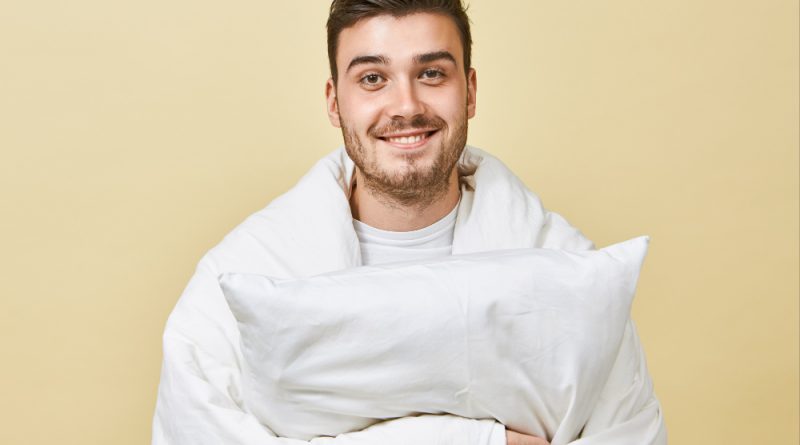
column 408, row 140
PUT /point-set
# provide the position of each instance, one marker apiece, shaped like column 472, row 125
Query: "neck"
column 386, row 213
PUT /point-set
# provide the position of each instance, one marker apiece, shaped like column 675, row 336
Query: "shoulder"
column 506, row 213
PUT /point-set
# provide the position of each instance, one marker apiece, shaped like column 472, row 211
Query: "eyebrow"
column 364, row 60
column 380, row 59
column 435, row 56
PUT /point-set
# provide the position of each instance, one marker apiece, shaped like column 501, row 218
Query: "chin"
column 406, row 169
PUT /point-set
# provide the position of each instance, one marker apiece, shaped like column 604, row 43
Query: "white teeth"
column 407, row 139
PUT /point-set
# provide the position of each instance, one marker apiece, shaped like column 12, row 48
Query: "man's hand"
column 515, row 438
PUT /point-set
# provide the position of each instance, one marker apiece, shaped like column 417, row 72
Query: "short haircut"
column 345, row 13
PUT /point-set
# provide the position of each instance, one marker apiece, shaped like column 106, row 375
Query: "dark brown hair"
column 345, row 13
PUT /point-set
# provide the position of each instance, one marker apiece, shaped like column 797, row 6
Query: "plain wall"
column 134, row 135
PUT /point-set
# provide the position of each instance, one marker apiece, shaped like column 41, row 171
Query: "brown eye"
column 432, row 74
column 371, row 79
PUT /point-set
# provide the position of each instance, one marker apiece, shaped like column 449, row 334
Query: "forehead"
column 399, row 38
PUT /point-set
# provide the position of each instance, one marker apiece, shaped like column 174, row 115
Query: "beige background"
column 134, row 135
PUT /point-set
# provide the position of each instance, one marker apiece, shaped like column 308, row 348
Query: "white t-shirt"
column 384, row 246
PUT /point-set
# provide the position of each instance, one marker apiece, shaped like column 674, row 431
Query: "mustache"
column 400, row 124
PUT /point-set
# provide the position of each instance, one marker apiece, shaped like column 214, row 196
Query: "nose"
column 405, row 101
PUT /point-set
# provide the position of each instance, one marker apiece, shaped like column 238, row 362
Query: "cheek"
column 449, row 105
column 359, row 112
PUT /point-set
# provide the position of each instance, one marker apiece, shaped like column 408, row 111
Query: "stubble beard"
column 413, row 186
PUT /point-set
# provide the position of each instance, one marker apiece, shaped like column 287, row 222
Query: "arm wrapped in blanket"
column 528, row 337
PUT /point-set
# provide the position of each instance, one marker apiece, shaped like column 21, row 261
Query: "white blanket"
column 309, row 231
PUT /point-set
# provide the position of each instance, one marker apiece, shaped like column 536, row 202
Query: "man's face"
column 402, row 100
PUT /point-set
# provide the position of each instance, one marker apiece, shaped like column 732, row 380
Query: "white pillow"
column 526, row 337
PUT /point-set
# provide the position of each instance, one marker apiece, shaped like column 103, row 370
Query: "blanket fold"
column 308, row 231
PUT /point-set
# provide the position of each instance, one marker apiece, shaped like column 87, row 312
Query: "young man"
column 405, row 188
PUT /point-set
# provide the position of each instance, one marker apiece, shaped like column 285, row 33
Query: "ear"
column 333, row 106
column 472, row 88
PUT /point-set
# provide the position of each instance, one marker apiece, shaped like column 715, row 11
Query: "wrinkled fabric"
column 524, row 336
column 309, row 231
